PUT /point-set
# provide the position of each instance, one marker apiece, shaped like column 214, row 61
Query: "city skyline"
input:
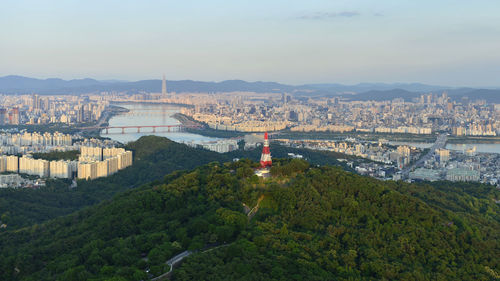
column 447, row 43
column 249, row 140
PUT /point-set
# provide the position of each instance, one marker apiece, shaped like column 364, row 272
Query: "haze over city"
column 249, row 140
column 451, row 43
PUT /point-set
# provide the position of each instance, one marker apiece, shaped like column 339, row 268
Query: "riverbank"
column 50, row 128
column 110, row 112
column 187, row 120
column 64, row 128
column 155, row 103
column 473, row 139
column 153, row 115
column 204, row 130
column 287, row 134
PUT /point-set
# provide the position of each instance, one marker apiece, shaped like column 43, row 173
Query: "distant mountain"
column 489, row 95
column 20, row 84
column 364, row 87
column 23, row 85
column 385, row 95
column 363, row 91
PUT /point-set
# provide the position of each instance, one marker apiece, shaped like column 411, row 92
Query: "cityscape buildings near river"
column 430, row 113
column 259, row 112
column 97, row 158
column 49, row 109
column 387, row 161
column 248, row 112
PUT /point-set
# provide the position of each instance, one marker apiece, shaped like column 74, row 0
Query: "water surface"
column 150, row 115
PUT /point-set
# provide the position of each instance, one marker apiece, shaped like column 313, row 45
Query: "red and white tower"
column 265, row 158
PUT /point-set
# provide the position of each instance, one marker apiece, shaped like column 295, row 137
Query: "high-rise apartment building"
column 164, row 86
column 89, row 154
column 12, row 163
column 87, row 170
column 3, row 115
column 444, row 155
column 61, row 169
column 37, row 167
column 112, row 160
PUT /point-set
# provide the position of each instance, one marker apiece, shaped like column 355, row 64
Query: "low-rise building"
column 462, row 174
column 425, row 174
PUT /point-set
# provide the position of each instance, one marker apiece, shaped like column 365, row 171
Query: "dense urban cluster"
column 401, row 156
column 425, row 115
column 467, row 165
column 47, row 109
column 25, row 142
column 385, row 159
column 221, row 146
column 388, row 161
column 98, row 158
column 96, row 162
column 255, row 112
column 428, row 114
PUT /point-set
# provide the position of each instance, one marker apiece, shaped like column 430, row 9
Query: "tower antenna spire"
column 265, row 158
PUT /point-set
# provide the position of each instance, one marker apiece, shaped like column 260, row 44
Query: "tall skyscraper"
column 14, row 116
column 3, row 116
column 36, row 101
column 163, row 86
column 80, row 115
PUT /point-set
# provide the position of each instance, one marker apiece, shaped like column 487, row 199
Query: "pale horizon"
column 451, row 43
column 114, row 79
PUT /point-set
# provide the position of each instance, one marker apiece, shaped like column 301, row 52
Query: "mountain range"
column 364, row 91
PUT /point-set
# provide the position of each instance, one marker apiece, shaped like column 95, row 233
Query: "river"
column 161, row 114
column 149, row 115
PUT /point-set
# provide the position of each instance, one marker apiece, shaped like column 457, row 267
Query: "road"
column 171, row 262
column 440, row 143
column 106, row 114
column 178, row 258
column 255, row 209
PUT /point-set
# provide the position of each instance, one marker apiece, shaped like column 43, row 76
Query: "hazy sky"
column 449, row 42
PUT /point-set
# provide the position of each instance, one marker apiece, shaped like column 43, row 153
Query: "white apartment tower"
column 12, row 163
column 164, row 86
column 30, row 166
column 61, row 169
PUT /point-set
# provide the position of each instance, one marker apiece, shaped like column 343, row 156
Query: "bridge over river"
column 144, row 128
column 440, row 143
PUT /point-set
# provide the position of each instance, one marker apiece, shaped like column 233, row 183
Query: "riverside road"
column 440, row 143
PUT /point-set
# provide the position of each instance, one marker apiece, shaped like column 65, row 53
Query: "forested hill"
column 154, row 157
column 311, row 223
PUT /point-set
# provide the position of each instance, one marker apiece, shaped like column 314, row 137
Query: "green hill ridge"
column 154, row 157
column 312, row 223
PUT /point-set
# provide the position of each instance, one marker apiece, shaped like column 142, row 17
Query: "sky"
column 444, row 42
